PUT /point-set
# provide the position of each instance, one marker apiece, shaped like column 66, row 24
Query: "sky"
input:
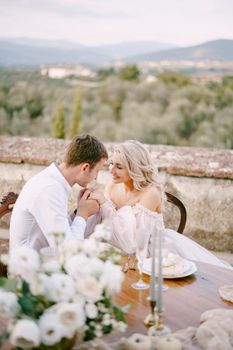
column 98, row 22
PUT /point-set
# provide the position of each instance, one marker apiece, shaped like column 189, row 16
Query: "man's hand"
column 80, row 194
column 86, row 206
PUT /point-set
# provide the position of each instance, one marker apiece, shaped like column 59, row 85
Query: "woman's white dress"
column 134, row 225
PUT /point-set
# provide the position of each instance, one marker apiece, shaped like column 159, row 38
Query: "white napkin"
column 171, row 259
column 178, row 268
column 173, row 265
column 226, row 292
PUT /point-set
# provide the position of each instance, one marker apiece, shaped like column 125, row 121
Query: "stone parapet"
column 182, row 161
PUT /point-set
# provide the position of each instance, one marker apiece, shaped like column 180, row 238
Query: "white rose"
column 90, row 247
column 89, row 288
column 69, row 248
column 120, row 326
column 24, row 261
column 112, row 277
column 39, row 285
column 78, row 266
column 51, row 266
column 91, row 310
column 62, row 287
column 96, row 267
column 8, row 303
column 102, row 232
column 71, row 315
column 98, row 333
column 25, row 334
column 52, row 331
column 79, row 299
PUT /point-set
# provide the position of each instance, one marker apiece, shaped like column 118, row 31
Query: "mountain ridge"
column 219, row 49
column 30, row 52
column 23, row 51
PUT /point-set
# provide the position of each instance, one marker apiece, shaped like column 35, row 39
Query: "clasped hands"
column 89, row 201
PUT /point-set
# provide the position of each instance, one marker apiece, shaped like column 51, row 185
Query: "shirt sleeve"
column 50, row 211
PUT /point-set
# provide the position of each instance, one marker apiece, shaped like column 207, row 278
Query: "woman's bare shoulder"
column 151, row 199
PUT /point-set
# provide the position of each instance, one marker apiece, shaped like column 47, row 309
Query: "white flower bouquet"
column 47, row 303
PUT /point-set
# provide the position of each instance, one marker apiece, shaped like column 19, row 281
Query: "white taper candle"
column 152, row 277
column 160, row 273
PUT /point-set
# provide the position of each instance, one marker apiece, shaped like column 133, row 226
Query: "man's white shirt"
column 42, row 208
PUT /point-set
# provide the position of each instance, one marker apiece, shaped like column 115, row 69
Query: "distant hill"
column 24, row 54
column 220, row 50
column 33, row 52
column 128, row 49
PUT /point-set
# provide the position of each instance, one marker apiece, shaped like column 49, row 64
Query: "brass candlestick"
column 151, row 318
column 159, row 329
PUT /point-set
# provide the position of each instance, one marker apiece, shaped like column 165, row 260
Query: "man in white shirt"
column 42, row 205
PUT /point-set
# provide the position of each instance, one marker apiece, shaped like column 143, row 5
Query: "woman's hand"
column 98, row 196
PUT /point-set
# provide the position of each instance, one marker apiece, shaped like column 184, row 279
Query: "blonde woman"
column 134, row 200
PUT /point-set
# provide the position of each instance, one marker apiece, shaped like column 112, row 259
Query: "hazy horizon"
column 106, row 44
column 103, row 22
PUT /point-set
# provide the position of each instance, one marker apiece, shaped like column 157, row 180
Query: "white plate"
column 191, row 268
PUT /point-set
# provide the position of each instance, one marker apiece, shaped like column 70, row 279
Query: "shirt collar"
column 55, row 172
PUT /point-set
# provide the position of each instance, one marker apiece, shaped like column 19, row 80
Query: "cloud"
column 67, row 8
column 181, row 22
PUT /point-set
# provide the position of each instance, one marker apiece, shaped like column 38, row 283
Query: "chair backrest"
column 183, row 213
column 7, row 202
column 6, row 206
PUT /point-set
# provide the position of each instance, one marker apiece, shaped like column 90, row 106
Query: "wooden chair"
column 183, row 213
column 6, row 206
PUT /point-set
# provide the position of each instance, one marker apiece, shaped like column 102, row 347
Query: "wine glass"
column 141, row 252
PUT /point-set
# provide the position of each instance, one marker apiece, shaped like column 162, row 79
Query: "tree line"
column 172, row 110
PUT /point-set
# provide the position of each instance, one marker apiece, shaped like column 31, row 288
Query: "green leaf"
column 3, row 338
column 28, row 306
column 9, row 285
column 40, row 305
column 25, row 288
column 119, row 314
column 107, row 329
column 3, row 281
column 107, row 302
column 89, row 334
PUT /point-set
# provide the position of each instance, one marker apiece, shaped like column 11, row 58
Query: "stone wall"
column 201, row 178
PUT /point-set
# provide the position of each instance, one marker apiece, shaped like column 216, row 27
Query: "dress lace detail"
column 140, row 208
column 110, row 203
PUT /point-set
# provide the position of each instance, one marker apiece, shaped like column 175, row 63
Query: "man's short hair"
column 85, row 149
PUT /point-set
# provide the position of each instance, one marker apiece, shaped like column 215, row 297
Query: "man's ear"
column 85, row 167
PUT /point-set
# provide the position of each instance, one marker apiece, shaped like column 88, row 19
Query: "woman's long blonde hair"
column 139, row 165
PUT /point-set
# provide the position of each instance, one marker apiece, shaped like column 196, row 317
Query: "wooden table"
column 185, row 300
